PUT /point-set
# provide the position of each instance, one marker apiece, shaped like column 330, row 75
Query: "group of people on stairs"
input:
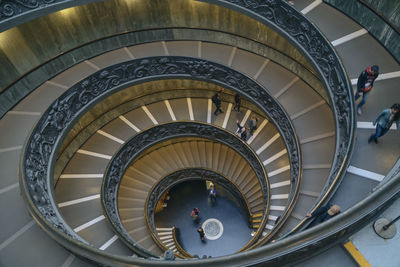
column 242, row 130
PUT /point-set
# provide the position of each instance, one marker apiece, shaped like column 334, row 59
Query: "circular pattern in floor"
column 213, row 229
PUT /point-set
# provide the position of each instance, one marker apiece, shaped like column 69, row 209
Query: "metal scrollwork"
column 281, row 16
column 43, row 144
column 42, row 147
column 144, row 140
column 16, row 7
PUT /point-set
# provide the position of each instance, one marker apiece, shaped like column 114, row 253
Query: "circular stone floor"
column 213, row 229
column 225, row 226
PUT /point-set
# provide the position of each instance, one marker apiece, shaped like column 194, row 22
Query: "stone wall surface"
column 43, row 47
column 371, row 21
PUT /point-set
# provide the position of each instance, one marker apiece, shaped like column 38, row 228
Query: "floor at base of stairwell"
column 185, row 197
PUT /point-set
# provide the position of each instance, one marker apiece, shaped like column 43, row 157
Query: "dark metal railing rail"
column 175, row 233
column 40, row 150
column 389, row 21
column 371, row 19
column 90, row 127
column 139, row 143
column 188, row 174
column 307, row 38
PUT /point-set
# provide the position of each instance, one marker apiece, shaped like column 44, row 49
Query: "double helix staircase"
column 174, row 157
column 304, row 105
column 77, row 188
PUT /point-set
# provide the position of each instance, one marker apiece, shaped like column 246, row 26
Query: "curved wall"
column 383, row 28
column 27, row 46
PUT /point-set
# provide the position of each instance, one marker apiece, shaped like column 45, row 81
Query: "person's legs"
column 239, row 129
column 383, row 132
column 218, row 108
column 379, row 132
column 357, row 95
column 362, row 102
column 213, row 198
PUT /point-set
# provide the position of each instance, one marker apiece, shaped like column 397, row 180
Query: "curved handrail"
column 179, row 176
column 291, row 249
column 294, row 66
column 186, row 174
column 178, row 245
column 151, row 97
column 387, row 20
column 139, row 143
column 41, row 148
column 305, row 36
column 278, row 15
column 376, row 24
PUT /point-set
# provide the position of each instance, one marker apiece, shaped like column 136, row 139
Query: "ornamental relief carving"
column 56, row 121
column 16, row 7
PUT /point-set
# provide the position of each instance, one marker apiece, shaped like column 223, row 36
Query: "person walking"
column 212, row 193
column 195, row 214
column 253, row 124
column 364, row 85
column 324, row 213
column 241, row 131
column 237, row 103
column 217, row 102
column 201, row 233
column 384, row 121
column 243, row 135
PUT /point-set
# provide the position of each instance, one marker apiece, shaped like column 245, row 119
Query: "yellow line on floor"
column 356, row 254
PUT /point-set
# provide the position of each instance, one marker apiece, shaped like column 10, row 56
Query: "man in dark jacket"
column 217, row 102
column 365, row 83
column 324, row 213
column 237, row 103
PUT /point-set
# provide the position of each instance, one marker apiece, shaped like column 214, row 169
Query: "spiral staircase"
column 94, row 139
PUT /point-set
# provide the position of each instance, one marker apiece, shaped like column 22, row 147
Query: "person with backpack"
column 217, row 102
column 384, row 121
column 364, row 85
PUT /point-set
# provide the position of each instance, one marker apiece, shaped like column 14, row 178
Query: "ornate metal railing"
column 90, row 127
column 175, row 234
column 139, row 143
column 370, row 16
column 42, row 146
column 44, row 143
column 308, row 39
column 188, row 174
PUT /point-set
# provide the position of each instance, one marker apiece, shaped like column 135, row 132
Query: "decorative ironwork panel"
column 144, row 140
column 305, row 36
column 185, row 175
column 13, row 8
column 47, row 136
